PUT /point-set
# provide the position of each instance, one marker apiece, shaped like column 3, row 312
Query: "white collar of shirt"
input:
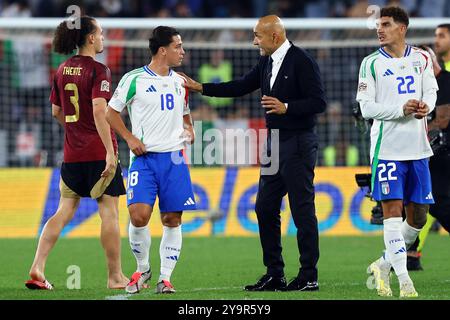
column 278, row 57
column 279, row 54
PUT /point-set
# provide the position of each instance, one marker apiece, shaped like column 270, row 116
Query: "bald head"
column 273, row 23
column 269, row 34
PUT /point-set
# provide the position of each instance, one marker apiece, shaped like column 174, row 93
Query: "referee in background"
column 292, row 95
column 440, row 161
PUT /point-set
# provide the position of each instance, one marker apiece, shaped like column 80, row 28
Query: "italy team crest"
column 385, row 188
column 177, row 89
column 417, row 67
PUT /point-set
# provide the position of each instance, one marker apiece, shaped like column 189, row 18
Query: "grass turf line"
column 218, row 267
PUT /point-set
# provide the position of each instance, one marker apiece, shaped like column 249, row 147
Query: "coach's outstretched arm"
column 235, row 88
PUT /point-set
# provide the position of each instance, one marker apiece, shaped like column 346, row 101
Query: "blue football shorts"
column 162, row 174
column 409, row 181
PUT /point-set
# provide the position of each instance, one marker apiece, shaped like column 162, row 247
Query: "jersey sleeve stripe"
column 364, row 63
column 127, row 75
column 426, row 59
column 131, row 90
column 186, row 95
column 372, row 69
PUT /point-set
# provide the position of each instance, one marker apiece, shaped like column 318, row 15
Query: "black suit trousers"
column 297, row 158
column 440, row 180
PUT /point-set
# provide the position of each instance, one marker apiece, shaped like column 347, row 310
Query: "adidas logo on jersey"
column 151, row 89
column 429, row 196
column 189, row 202
column 388, row 73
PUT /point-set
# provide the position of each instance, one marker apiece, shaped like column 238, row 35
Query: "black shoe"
column 413, row 263
column 268, row 283
column 299, row 284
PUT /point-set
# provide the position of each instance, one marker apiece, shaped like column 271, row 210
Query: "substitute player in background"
column 161, row 123
column 80, row 91
column 397, row 88
column 442, row 44
column 440, row 162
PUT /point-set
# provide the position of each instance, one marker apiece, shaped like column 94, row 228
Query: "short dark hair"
column 68, row 39
column 397, row 13
column 161, row 37
column 445, row 26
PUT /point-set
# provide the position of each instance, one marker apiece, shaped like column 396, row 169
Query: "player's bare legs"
column 50, row 234
column 140, row 214
column 110, row 238
column 392, row 208
column 416, row 214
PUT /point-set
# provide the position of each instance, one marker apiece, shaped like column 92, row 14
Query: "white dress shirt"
column 278, row 57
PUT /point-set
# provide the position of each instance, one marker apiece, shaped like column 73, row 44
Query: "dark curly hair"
column 67, row 39
column 398, row 14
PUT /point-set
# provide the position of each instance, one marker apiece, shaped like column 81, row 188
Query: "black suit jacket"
column 298, row 83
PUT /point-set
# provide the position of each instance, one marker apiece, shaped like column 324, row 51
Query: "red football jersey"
column 79, row 80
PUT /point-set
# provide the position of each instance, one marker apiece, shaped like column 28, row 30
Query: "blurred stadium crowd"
column 218, row 8
column 30, row 137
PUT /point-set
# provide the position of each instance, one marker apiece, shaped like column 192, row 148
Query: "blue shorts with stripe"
column 165, row 175
column 407, row 180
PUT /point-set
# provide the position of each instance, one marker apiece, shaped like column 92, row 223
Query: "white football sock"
column 140, row 242
column 409, row 234
column 383, row 262
column 169, row 251
column 395, row 247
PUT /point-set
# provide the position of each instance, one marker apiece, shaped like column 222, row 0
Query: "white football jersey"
column 156, row 106
column 385, row 85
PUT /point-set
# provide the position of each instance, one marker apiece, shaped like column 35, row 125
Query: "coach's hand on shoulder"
column 191, row 84
column 111, row 163
column 136, row 145
column 410, row 106
column 273, row 105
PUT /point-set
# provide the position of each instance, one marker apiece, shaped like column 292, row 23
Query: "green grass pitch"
column 218, row 267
